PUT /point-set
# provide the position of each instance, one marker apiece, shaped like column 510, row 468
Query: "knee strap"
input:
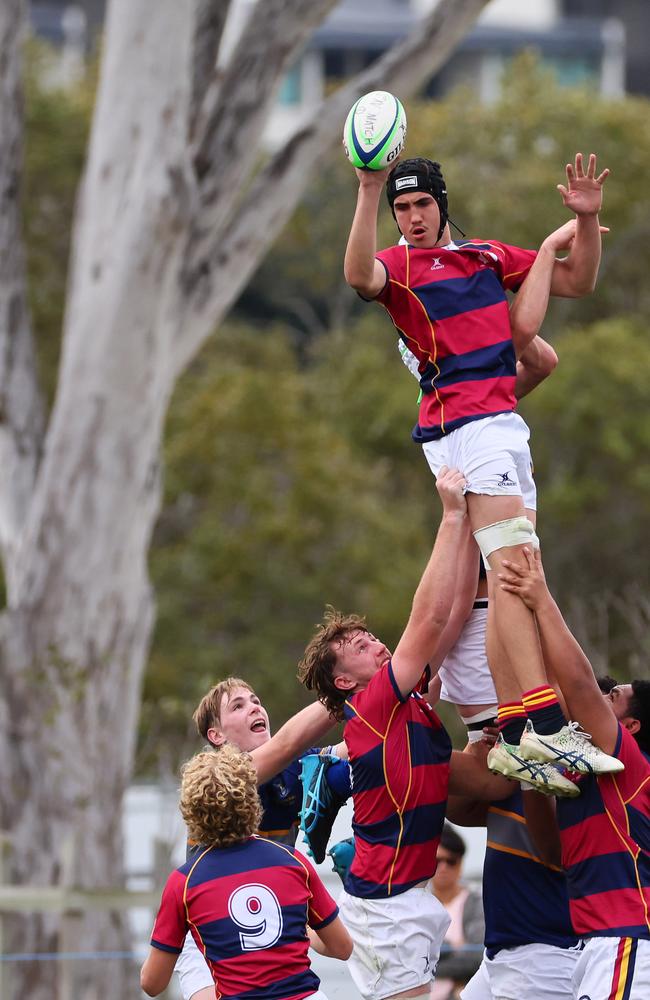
column 503, row 534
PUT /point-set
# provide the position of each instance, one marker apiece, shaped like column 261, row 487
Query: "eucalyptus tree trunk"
column 174, row 214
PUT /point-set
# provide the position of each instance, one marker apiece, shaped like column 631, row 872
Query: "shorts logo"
column 436, row 264
column 505, row 479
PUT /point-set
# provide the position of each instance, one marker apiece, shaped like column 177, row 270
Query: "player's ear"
column 215, row 737
column 631, row 724
column 344, row 682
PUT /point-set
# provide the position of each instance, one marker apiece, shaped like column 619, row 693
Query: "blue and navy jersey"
column 525, row 900
column 605, row 835
column 450, row 309
column 399, row 755
column 247, row 908
column 281, row 799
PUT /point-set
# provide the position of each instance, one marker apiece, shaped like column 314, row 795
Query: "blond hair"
column 219, row 800
column 316, row 669
column 208, row 713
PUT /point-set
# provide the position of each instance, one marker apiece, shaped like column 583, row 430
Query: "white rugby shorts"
column 539, row 971
column 465, row 674
column 396, row 940
column 192, row 969
column 493, row 455
column 613, row 967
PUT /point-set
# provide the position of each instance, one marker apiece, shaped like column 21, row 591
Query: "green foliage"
column 290, row 477
column 590, row 444
column 274, row 507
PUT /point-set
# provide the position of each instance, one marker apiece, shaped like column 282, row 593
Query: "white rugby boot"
column 504, row 758
column 571, row 748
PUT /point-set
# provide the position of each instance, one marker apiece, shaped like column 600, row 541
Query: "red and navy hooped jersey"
column 525, row 900
column 450, row 309
column 399, row 755
column 247, row 908
column 605, row 835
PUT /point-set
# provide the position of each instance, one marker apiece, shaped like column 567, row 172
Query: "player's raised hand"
column 584, row 191
column 451, row 486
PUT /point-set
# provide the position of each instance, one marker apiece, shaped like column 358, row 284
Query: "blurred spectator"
column 465, row 907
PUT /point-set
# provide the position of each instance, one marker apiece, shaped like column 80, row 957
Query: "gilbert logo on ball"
column 375, row 130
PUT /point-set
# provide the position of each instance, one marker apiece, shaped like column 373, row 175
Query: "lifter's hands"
column 451, row 486
column 528, row 581
column 584, row 194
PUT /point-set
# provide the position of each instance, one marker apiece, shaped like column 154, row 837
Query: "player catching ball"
column 448, row 302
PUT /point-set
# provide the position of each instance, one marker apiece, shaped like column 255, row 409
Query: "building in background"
column 604, row 43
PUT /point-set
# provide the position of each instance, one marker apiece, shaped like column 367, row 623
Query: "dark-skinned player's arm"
column 433, row 599
column 562, row 652
column 539, row 813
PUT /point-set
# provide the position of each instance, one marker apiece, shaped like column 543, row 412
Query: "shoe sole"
column 562, row 791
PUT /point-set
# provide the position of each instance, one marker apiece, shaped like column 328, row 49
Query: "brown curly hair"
column 219, row 800
column 316, row 668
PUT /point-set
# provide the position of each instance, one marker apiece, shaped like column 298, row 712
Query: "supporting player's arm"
column 157, row 971
column 332, row 941
column 539, row 813
column 434, row 596
column 362, row 270
column 303, row 730
column 576, row 275
column 470, row 778
column 537, row 362
column 562, row 652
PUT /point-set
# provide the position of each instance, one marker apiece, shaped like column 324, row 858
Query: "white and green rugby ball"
column 375, row 131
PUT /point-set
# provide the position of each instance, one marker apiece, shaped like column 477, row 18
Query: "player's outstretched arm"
column 362, row 270
column 562, row 652
column 464, row 596
column 157, row 970
column 303, row 730
column 434, row 596
column 576, row 275
column 332, row 941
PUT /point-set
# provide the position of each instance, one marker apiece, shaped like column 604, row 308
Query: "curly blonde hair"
column 316, row 669
column 219, row 800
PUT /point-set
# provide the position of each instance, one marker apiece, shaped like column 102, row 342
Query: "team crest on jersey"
column 437, row 265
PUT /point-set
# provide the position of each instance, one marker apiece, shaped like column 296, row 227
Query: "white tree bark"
column 159, row 255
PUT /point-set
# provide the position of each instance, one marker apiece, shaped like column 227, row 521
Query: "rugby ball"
column 375, row 131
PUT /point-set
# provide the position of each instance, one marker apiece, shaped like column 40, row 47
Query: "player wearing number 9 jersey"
column 252, row 906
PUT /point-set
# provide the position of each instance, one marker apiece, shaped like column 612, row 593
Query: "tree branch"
column 220, row 268
column 228, row 143
column 21, row 405
column 210, row 20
